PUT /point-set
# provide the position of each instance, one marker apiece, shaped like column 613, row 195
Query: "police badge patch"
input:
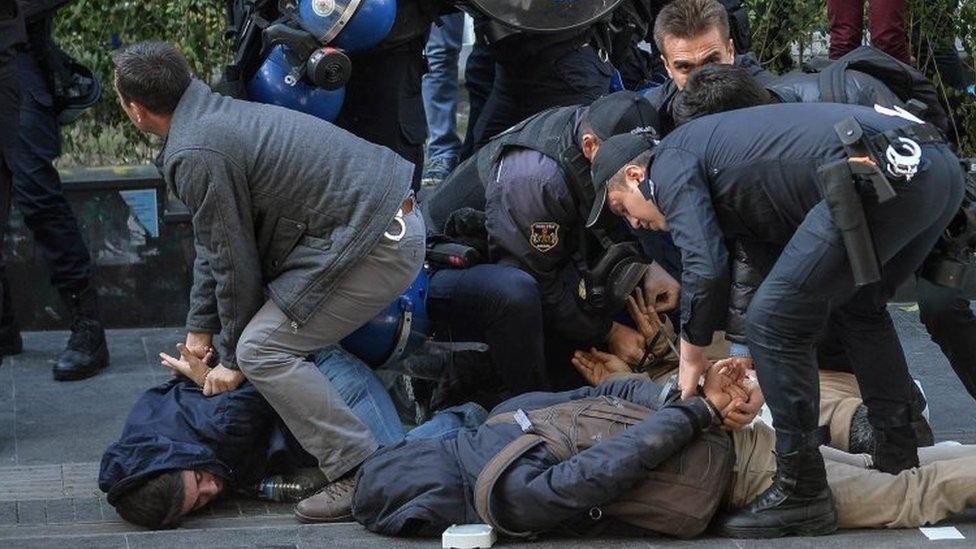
column 544, row 236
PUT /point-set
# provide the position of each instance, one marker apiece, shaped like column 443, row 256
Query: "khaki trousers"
column 944, row 483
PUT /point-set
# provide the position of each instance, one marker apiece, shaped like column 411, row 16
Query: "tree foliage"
column 784, row 32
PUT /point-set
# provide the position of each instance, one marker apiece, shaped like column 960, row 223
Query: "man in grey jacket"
column 303, row 232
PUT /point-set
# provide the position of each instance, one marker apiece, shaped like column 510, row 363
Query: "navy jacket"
column 422, row 487
column 234, row 435
column 747, row 174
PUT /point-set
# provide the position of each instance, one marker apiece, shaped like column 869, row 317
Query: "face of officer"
column 683, row 55
column 625, row 199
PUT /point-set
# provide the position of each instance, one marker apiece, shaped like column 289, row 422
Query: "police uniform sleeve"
column 531, row 217
column 682, row 194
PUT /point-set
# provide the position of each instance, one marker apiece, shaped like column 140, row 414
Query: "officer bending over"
column 533, row 182
column 286, row 206
column 944, row 310
column 754, row 174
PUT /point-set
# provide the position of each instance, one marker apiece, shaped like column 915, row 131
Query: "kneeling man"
column 303, row 232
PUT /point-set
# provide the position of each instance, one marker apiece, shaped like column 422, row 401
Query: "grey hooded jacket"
column 283, row 204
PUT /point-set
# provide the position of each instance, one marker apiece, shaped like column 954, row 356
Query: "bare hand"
column 645, row 317
column 691, row 366
column 626, row 343
column 222, row 379
column 189, row 364
column 737, row 367
column 199, row 343
column 597, row 367
column 742, row 410
column 661, row 289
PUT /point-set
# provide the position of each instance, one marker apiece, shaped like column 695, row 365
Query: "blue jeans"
column 440, row 87
column 365, row 395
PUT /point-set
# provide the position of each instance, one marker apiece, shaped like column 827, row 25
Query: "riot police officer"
column 38, row 195
column 772, row 174
column 533, row 182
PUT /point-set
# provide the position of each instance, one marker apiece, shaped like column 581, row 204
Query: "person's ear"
column 730, row 50
column 590, row 145
column 667, row 66
column 634, row 174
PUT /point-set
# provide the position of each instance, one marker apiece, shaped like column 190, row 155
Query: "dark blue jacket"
column 422, row 487
column 234, row 435
column 750, row 175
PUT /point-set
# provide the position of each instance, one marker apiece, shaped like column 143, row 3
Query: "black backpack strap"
column 492, row 472
column 832, row 83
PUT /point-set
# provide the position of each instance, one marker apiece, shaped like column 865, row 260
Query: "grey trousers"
column 273, row 355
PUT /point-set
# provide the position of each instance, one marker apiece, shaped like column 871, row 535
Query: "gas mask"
column 603, row 289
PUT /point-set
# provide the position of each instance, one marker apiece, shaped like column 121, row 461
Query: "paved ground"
column 52, row 436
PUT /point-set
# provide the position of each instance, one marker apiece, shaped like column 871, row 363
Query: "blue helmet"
column 353, row 25
column 271, row 84
column 402, row 327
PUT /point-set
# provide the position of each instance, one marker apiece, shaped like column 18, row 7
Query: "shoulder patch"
column 544, row 235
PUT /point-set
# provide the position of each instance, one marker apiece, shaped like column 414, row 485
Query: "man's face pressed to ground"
column 683, row 55
column 199, row 489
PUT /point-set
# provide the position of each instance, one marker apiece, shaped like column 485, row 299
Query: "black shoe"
column 87, row 351
column 798, row 503
column 923, row 431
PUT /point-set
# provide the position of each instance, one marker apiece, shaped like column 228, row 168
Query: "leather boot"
column 87, row 352
column 10, row 340
column 798, row 503
column 333, row 503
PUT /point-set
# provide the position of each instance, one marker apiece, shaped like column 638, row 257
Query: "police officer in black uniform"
column 38, row 195
column 757, row 174
column 533, row 183
column 12, row 36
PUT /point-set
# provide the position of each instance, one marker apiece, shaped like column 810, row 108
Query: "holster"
column 843, row 199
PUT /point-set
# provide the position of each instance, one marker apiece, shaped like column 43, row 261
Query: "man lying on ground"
column 180, row 450
column 421, row 487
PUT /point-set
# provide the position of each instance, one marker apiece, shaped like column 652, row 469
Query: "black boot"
column 798, row 503
column 87, row 352
column 897, row 448
column 10, row 340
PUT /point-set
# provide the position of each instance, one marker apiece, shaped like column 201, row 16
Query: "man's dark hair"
column 152, row 74
column 156, row 503
column 690, row 18
column 718, row 88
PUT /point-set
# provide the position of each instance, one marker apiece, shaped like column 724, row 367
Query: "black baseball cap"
column 614, row 154
column 622, row 112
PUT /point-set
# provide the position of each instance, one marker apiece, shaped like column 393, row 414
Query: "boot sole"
column 315, row 520
column 809, row 528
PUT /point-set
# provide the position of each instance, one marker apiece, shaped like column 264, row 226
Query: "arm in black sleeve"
column 681, row 189
column 602, row 473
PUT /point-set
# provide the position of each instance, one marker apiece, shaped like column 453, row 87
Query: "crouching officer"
column 782, row 175
column 533, row 182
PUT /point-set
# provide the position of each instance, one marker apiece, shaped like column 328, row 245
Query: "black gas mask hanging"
column 952, row 262
column 603, row 288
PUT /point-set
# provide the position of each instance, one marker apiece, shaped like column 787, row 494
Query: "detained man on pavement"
column 303, row 232
column 756, row 174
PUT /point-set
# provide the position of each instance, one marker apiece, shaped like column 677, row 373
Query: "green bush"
column 90, row 29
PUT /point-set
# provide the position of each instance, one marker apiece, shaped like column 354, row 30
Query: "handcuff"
column 398, row 219
column 903, row 156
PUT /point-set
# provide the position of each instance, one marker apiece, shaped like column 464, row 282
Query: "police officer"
column 533, row 182
column 12, row 36
column 945, row 311
column 752, row 174
column 38, row 195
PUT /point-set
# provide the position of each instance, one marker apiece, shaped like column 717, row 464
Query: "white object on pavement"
column 468, row 536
